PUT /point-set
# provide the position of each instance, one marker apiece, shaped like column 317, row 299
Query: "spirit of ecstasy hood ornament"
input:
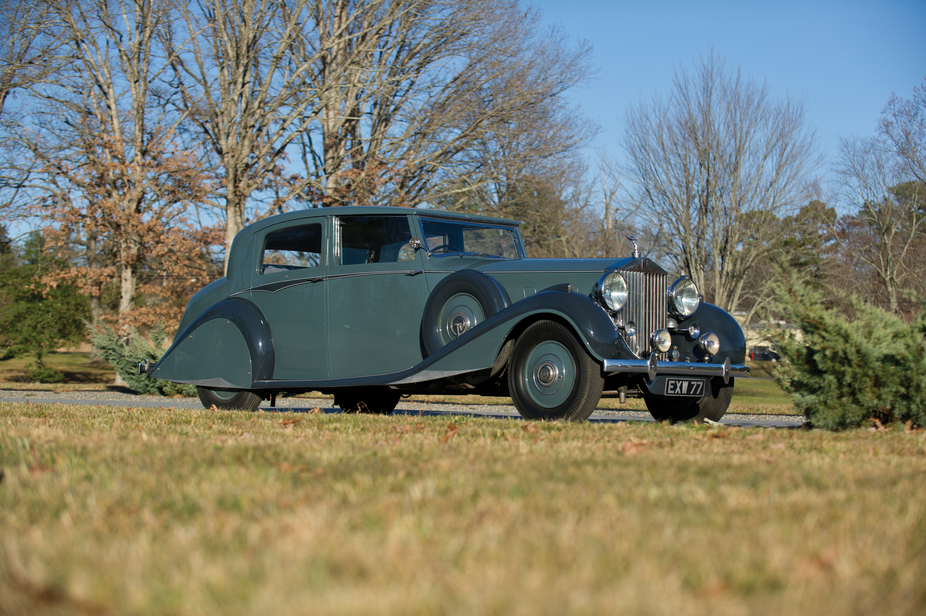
column 636, row 248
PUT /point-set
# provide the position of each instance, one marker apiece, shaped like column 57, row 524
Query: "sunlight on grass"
column 153, row 511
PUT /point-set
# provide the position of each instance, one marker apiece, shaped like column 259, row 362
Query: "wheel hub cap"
column 547, row 374
column 459, row 325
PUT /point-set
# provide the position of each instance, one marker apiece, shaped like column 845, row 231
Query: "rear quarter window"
column 292, row 249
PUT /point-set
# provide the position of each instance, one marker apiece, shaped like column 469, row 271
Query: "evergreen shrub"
column 124, row 354
column 842, row 372
column 41, row 373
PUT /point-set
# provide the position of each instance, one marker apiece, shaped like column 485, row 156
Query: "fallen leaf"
column 289, row 423
column 213, row 408
column 631, row 448
column 714, row 588
column 529, row 427
column 314, row 411
column 289, row 468
column 452, row 431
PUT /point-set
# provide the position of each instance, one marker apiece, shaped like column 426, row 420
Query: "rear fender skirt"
column 253, row 327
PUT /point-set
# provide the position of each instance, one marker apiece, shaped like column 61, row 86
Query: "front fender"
column 595, row 328
column 227, row 346
column 710, row 318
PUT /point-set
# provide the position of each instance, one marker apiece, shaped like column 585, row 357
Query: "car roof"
column 371, row 210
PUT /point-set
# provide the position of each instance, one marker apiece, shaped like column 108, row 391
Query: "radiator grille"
column 646, row 306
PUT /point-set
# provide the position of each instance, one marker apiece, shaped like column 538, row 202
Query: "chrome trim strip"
column 214, row 383
column 279, row 285
column 428, row 375
column 653, row 368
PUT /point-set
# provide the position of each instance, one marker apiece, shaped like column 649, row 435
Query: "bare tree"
column 29, row 53
column 383, row 101
column 713, row 165
column 426, row 100
column 114, row 182
column 885, row 178
column 903, row 126
column 891, row 213
column 239, row 87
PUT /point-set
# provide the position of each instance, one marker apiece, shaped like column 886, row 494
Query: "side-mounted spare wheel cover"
column 458, row 303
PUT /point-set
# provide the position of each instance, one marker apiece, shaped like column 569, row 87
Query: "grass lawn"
column 74, row 366
column 157, row 511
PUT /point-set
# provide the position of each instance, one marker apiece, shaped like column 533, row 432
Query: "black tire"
column 458, row 303
column 552, row 376
column 692, row 410
column 227, row 399
column 371, row 400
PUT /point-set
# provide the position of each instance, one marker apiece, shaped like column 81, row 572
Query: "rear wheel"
column 692, row 410
column 372, row 400
column 228, row 398
column 552, row 376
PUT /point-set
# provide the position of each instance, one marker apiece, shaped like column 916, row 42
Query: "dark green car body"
column 370, row 303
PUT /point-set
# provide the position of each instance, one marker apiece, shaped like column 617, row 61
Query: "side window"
column 292, row 249
column 375, row 239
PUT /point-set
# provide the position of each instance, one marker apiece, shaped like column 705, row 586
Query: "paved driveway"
column 112, row 398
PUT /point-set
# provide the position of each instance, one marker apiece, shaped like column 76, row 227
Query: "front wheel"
column 225, row 399
column 552, row 376
column 692, row 410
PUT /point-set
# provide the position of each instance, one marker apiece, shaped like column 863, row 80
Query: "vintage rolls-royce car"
column 372, row 303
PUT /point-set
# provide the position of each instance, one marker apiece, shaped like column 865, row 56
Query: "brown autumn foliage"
column 125, row 224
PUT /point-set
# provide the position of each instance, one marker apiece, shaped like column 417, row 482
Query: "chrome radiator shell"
column 647, row 306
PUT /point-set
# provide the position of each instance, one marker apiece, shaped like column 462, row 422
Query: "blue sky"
column 844, row 59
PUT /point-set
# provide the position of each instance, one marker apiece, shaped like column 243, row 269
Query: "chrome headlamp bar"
column 693, row 331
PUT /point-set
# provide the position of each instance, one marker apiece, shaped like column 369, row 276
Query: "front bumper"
column 653, row 368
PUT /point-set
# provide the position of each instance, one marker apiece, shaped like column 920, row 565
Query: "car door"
column 376, row 296
column 290, row 290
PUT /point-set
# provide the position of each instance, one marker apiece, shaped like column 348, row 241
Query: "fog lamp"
column 661, row 341
column 710, row 344
column 630, row 329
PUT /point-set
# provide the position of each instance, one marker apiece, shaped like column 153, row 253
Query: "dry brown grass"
column 157, row 511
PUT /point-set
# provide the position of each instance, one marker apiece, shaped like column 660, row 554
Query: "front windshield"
column 445, row 237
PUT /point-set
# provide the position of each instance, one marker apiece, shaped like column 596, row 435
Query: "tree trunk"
column 234, row 212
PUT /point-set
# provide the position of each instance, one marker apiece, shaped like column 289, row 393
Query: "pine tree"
column 35, row 319
column 842, row 372
column 124, row 354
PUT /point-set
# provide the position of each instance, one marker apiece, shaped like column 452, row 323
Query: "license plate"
column 685, row 387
